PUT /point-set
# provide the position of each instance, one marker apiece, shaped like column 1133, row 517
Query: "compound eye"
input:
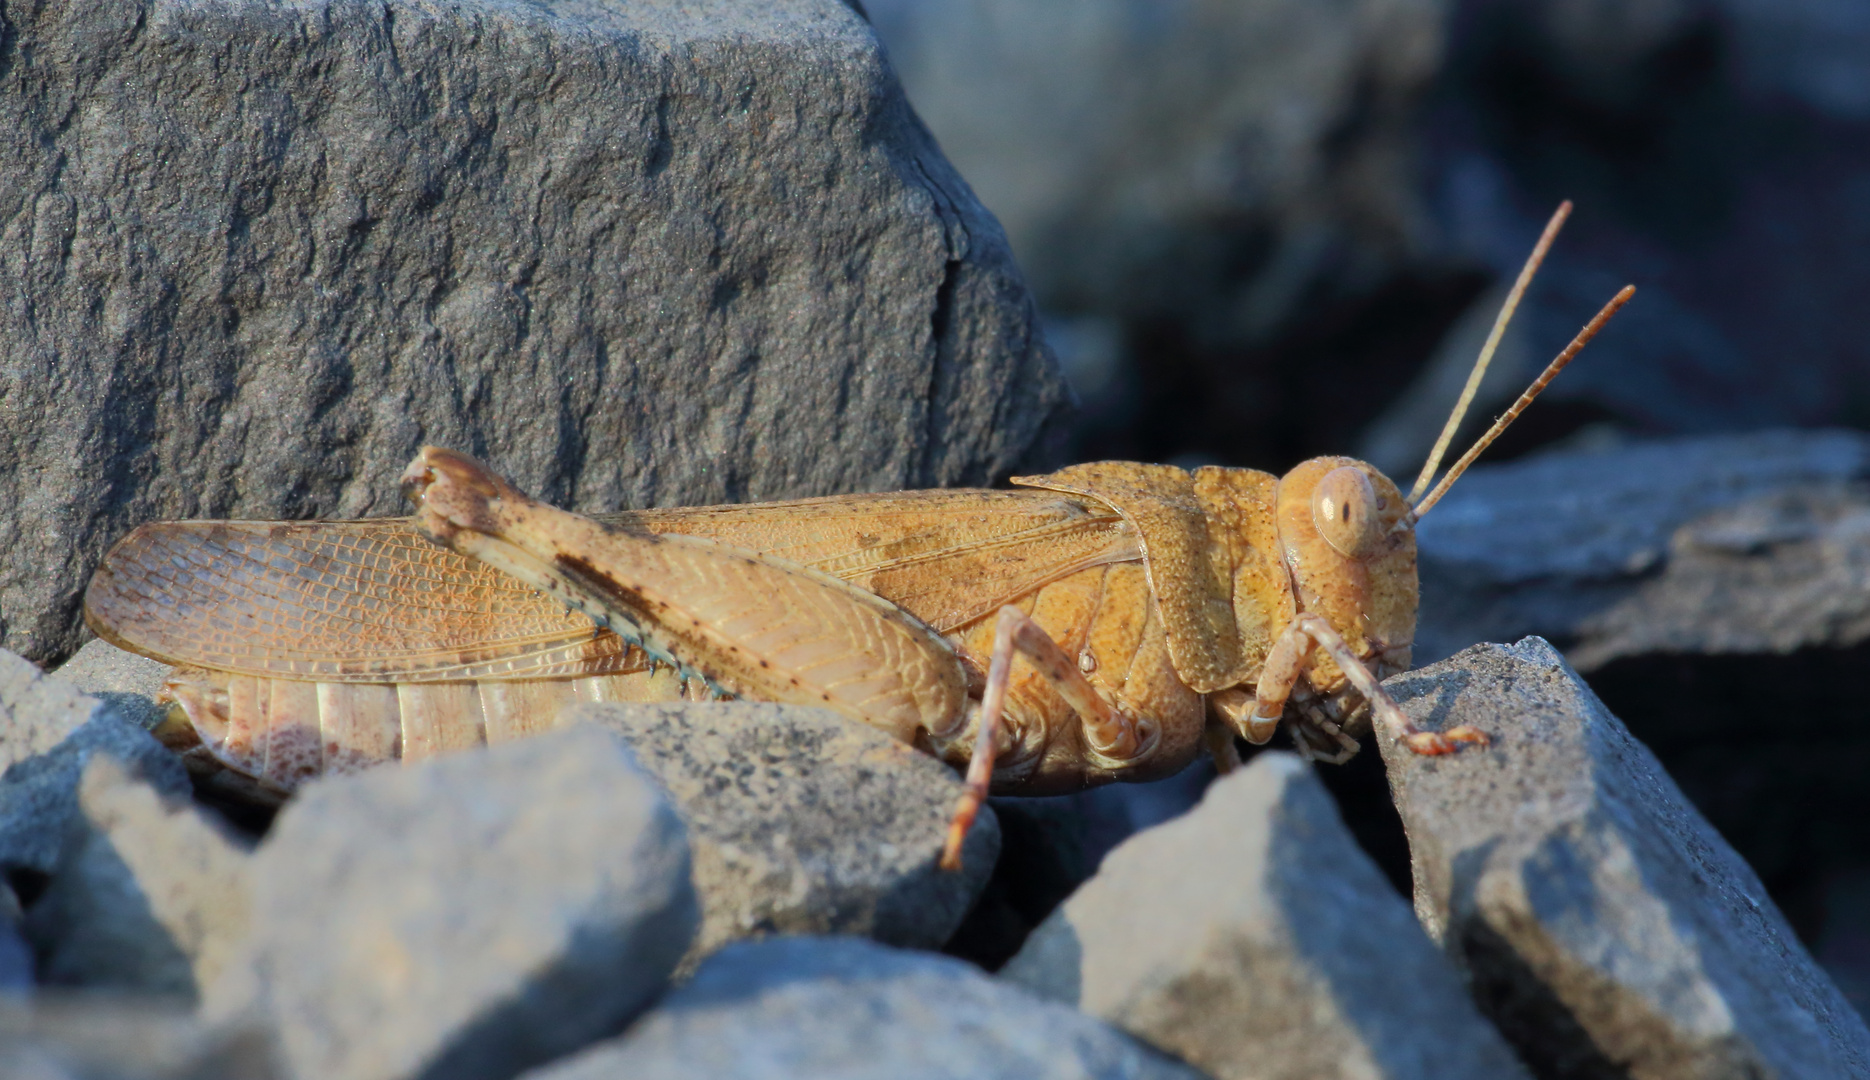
column 1344, row 508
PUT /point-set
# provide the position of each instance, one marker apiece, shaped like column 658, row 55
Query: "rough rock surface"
column 469, row 916
column 150, row 894
column 1603, row 925
column 36, row 712
column 256, row 254
column 840, row 1009
column 1252, row 938
column 1727, row 544
column 39, row 795
column 802, row 822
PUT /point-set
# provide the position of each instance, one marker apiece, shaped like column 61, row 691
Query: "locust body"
column 1100, row 623
column 328, row 646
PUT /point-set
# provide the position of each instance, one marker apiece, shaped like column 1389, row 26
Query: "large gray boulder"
column 1253, row 939
column 804, row 822
column 664, row 252
column 469, row 916
column 1602, row 924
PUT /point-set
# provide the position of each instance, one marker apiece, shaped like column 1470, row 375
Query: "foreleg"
column 1108, row 731
column 1287, row 661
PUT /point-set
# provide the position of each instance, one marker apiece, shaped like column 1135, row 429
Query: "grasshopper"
column 1158, row 612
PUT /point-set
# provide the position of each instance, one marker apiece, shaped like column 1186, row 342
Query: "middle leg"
column 1109, row 731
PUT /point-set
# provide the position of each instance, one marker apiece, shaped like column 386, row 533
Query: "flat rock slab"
column 631, row 255
column 1731, row 544
column 466, row 917
column 804, row 822
column 1603, row 924
column 843, row 1008
column 1253, row 938
column 150, row 895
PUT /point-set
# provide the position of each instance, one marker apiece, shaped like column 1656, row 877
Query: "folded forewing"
column 373, row 601
column 946, row 557
column 363, row 601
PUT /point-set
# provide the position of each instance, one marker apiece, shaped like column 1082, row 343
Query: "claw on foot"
column 1436, row 743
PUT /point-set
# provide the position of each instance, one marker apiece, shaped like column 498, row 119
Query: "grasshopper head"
column 1348, row 542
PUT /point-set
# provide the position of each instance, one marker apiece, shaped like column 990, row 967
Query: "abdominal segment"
column 277, row 734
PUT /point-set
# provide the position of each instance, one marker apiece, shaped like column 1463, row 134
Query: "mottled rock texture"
column 1602, row 924
column 469, row 916
column 1252, row 938
column 255, row 255
column 804, row 822
column 844, row 1009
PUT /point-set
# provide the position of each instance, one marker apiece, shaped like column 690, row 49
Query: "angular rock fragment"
column 631, row 254
column 150, row 895
column 844, row 1009
column 1716, row 592
column 469, row 916
column 1602, row 924
column 39, row 794
column 1252, row 938
column 1729, row 544
column 803, row 822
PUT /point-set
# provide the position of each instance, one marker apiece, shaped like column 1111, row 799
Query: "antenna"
column 1551, row 371
column 1486, row 351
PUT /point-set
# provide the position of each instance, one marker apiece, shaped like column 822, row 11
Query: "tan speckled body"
column 328, row 646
